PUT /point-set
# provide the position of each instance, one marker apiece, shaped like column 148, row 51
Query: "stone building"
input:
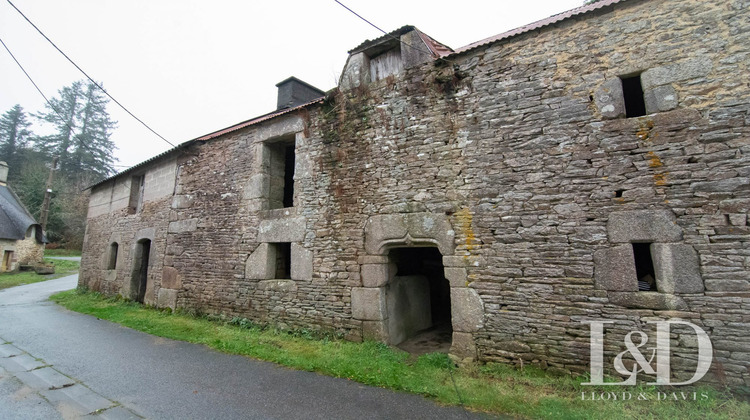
column 21, row 238
column 594, row 165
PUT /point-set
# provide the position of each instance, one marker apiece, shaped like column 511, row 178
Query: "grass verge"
column 61, row 252
column 62, row 268
column 491, row 388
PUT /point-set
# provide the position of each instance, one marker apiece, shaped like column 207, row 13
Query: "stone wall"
column 517, row 162
column 111, row 221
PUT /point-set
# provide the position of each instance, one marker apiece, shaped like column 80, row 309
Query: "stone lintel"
column 643, row 226
column 282, row 230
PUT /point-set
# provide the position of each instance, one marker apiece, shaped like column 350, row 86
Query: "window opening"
column 385, row 64
column 644, row 267
column 136, row 193
column 283, row 260
column 632, row 92
column 288, row 200
column 112, row 260
column 282, row 159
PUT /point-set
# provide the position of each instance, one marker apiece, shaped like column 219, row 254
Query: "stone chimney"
column 293, row 92
column 3, row 173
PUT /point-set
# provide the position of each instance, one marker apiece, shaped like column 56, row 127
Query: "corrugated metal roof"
column 257, row 120
column 436, row 48
column 538, row 24
column 209, row 136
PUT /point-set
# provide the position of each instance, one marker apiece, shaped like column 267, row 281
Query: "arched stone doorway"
column 418, row 301
column 139, row 277
column 383, row 303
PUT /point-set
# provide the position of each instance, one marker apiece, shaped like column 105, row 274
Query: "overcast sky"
column 190, row 67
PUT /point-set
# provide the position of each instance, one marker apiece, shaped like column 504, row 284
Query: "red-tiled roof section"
column 256, row 120
column 438, row 49
column 539, row 24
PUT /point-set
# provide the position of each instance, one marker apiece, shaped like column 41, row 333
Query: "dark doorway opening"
column 419, row 302
column 139, row 280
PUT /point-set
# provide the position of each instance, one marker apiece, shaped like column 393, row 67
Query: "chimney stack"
column 3, row 173
column 294, row 92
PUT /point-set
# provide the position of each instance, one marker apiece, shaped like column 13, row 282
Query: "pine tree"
column 83, row 130
column 14, row 136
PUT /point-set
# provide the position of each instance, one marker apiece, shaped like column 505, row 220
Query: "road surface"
column 60, row 364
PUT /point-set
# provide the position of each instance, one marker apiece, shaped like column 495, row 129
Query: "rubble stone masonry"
column 516, row 160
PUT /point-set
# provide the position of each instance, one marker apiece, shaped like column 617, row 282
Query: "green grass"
column 494, row 388
column 60, row 252
column 62, row 269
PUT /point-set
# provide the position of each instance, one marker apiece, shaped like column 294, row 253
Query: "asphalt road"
column 59, row 364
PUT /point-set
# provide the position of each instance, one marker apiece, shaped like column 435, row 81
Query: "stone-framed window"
column 281, row 253
column 632, row 95
column 638, row 238
column 137, row 184
column 282, row 261
column 281, row 172
column 272, row 186
column 112, row 256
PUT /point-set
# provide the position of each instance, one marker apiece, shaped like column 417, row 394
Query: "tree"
column 83, row 130
column 14, row 136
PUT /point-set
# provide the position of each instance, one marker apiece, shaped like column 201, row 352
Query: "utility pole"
column 47, row 196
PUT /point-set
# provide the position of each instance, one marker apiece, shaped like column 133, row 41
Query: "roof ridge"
column 538, row 24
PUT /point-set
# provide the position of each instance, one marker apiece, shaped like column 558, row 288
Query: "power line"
column 388, row 34
column 49, row 103
column 89, row 77
column 37, row 87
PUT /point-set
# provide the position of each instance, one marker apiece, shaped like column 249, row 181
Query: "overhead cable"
column 49, row 103
column 89, row 77
column 388, row 34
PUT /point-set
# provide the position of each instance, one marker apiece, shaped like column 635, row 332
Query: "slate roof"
column 15, row 220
